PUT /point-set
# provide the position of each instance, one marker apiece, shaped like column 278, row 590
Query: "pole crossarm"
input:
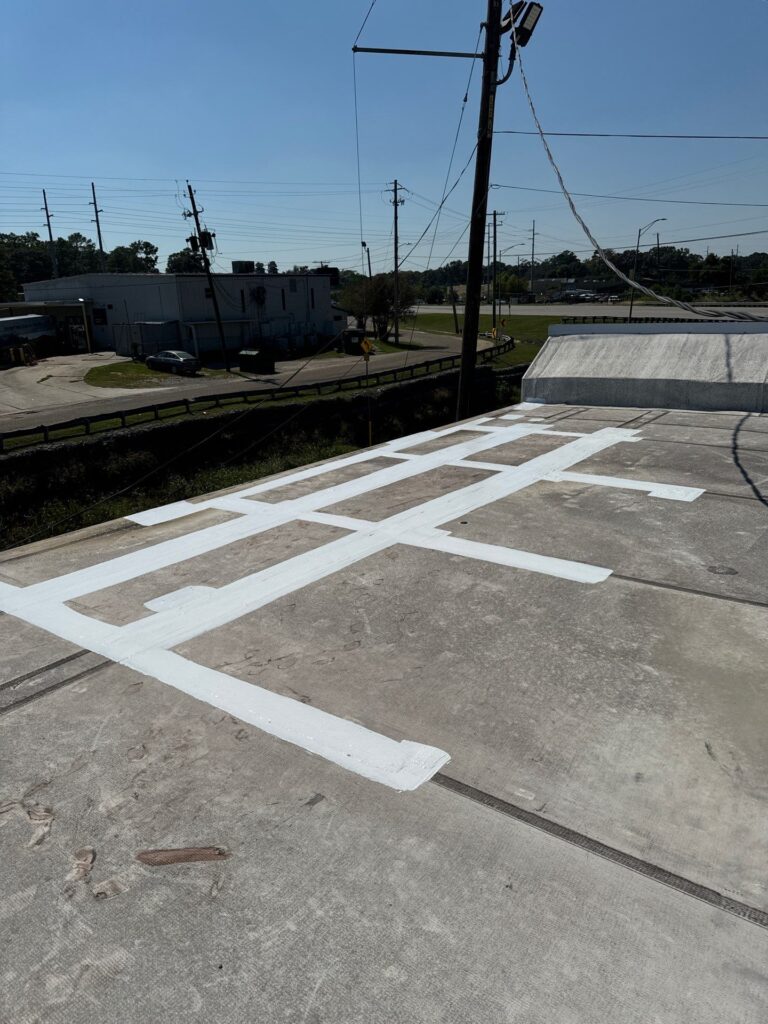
column 418, row 53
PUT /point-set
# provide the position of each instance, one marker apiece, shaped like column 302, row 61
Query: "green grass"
column 523, row 352
column 384, row 347
column 135, row 375
column 520, row 327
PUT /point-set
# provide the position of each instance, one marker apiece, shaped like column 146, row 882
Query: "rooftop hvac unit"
column 242, row 266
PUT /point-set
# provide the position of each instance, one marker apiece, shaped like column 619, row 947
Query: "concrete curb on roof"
column 706, row 369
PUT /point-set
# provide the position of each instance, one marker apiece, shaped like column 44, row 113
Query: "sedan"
column 174, row 361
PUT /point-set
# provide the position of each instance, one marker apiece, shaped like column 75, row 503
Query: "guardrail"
column 637, row 320
column 84, row 425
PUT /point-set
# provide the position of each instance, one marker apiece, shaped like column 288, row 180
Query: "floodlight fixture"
column 512, row 15
column 528, row 23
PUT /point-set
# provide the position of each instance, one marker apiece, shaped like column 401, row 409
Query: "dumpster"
column 254, row 360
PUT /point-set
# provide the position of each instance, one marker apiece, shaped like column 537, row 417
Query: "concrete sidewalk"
column 467, row 727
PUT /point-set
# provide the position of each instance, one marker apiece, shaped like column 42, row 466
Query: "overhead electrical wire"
column 630, row 199
column 631, row 135
column 666, row 300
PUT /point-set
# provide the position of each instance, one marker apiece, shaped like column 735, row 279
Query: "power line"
column 631, row 199
column 632, row 135
column 365, row 20
column 588, row 232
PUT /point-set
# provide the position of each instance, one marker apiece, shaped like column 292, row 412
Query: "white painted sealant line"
column 672, row 492
column 192, row 611
column 579, row 572
column 401, row 765
column 442, row 540
column 208, row 611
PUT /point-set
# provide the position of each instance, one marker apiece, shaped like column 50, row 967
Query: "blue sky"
column 253, row 101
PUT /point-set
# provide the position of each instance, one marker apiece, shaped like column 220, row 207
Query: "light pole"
column 640, row 233
column 502, row 253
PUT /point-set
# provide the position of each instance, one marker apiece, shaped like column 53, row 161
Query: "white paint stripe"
column 489, row 467
column 223, row 605
column 191, row 611
column 401, row 765
column 579, row 572
column 246, row 595
column 514, row 478
column 180, row 549
column 672, row 492
column 441, row 540
column 164, row 514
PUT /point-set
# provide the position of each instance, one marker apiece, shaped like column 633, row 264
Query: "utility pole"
column 520, row 22
column 397, row 203
column 496, row 214
column 201, row 240
column 54, row 260
column 368, row 253
column 533, row 255
column 97, row 211
column 479, row 206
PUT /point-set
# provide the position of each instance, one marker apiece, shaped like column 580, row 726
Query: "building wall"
column 295, row 308
column 116, row 298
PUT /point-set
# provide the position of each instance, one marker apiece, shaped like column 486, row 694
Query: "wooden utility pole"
column 97, row 211
column 397, row 203
column 496, row 215
column 525, row 16
column 533, row 254
column 207, row 264
column 54, row 259
column 479, row 206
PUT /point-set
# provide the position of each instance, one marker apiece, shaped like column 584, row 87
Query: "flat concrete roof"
column 467, row 727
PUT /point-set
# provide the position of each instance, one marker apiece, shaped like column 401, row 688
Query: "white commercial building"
column 148, row 312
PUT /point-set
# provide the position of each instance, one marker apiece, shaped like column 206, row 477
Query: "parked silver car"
column 174, row 361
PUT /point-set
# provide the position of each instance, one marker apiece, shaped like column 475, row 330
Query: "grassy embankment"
column 54, row 515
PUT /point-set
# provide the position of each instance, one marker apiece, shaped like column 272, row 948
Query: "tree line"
column 675, row 271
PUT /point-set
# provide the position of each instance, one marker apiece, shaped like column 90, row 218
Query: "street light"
column 640, row 233
column 86, row 325
column 509, row 249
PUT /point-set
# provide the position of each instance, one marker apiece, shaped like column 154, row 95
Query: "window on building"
column 282, row 296
column 312, row 297
column 292, row 285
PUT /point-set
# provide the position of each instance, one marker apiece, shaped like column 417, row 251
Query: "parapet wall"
column 712, row 369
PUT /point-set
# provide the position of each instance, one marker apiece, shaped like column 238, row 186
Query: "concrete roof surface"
column 466, row 727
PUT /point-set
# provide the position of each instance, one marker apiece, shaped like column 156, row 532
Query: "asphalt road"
column 54, row 391
column 599, row 309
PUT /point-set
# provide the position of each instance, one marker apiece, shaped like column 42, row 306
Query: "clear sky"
column 253, row 101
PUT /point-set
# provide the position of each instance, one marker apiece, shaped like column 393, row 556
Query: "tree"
column 374, row 297
column 9, row 290
column 258, row 267
column 137, row 258
column 185, row 262
column 28, row 257
column 272, row 267
column 77, row 254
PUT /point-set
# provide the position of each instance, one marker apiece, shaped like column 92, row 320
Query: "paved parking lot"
column 471, row 726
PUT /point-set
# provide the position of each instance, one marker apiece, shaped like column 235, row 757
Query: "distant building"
column 148, row 312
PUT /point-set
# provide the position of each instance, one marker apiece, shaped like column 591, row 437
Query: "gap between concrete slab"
column 15, row 693
column 744, row 911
